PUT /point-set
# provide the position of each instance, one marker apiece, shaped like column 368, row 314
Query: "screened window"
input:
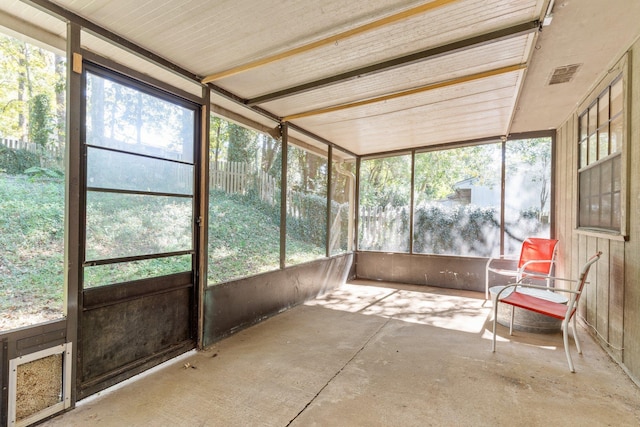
column 307, row 174
column 527, row 191
column 385, row 203
column 139, row 147
column 244, row 202
column 458, row 198
column 343, row 191
column 457, row 201
column 32, row 182
column 601, row 137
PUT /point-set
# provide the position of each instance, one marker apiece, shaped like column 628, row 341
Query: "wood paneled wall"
column 611, row 303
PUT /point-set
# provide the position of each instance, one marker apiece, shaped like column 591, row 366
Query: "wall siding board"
column 581, row 250
column 616, row 298
column 631, row 331
column 592, row 287
column 612, row 297
column 602, row 289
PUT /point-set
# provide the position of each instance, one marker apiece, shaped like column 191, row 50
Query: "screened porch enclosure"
column 173, row 175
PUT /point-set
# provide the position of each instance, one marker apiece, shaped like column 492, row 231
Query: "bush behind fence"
column 458, row 230
column 17, row 156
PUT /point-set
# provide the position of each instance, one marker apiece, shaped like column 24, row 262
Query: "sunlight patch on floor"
column 434, row 309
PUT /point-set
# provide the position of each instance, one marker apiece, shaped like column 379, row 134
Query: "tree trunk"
column 61, row 77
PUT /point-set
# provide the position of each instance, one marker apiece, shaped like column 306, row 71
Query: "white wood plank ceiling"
column 374, row 76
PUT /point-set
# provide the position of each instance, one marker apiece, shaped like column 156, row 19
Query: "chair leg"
column 565, row 339
column 513, row 313
column 486, row 285
column 575, row 334
column 495, row 319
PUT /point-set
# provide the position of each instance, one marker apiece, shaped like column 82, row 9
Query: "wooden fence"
column 374, row 218
column 50, row 156
column 16, row 144
column 240, row 177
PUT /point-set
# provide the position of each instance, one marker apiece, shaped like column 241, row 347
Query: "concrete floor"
column 375, row 354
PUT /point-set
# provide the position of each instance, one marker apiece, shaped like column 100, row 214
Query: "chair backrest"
column 582, row 280
column 539, row 249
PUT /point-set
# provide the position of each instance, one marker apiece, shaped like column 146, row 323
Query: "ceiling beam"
column 432, row 86
column 447, row 49
column 330, row 40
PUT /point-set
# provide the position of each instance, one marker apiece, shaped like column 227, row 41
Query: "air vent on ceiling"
column 563, row 74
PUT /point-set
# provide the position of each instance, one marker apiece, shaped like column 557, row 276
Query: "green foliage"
column 15, row 162
column 385, row 181
column 244, row 239
column 31, row 235
column 438, row 229
column 32, row 87
column 120, row 225
column 437, row 172
column 460, row 230
column 38, row 172
column 242, row 144
column 306, row 171
column 309, row 225
column 40, row 120
column 128, row 271
column 244, row 234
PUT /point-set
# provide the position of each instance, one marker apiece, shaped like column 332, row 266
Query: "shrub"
column 309, row 222
column 14, row 162
column 40, row 120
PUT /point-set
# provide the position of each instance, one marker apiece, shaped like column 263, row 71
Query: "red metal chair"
column 537, row 257
column 565, row 313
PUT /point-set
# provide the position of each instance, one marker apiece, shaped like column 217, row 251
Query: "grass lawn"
column 244, row 239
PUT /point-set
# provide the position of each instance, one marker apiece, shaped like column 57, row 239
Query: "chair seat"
column 536, row 304
column 514, row 273
column 546, row 294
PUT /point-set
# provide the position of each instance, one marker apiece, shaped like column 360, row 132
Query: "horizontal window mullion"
column 133, row 153
column 107, row 261
column 139, row 193
column 600, row 161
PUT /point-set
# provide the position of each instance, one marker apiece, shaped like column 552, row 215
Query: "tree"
column 218, row 139
column 243, row 144
column 40, row 120
column 60, row 98
column 437, row 172
column 386, row 181
column 27, row 72
column 269, row 149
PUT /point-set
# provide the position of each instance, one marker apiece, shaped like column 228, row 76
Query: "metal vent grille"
column 564, row 74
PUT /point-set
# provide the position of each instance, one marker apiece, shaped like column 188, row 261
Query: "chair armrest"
column 544, row 276
column 545, row 288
